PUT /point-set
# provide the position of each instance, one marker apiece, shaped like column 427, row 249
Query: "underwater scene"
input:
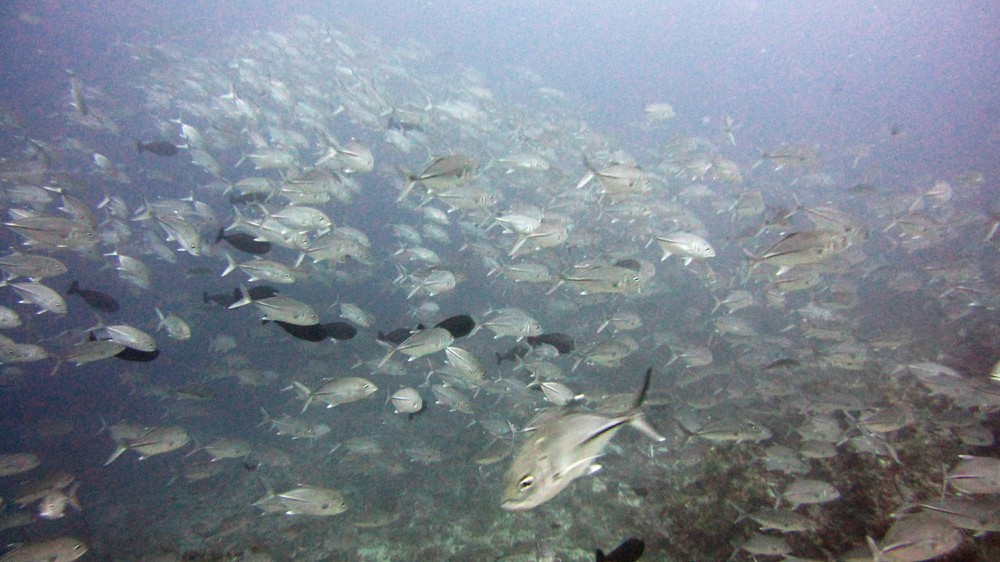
column 500, row 281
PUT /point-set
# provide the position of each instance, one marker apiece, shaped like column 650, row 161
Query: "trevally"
column 564, row 442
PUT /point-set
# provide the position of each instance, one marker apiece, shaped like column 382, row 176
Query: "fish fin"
column 244, row 299
column 117, row 453
column 873, row 547
column 648, row 430
column 641, row 395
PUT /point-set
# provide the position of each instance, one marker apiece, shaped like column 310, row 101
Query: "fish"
column 562, row 342
column 294, row 427
column 352, row 158
column 127, row 335
column 130, row 354
column 562, row 445
column 399, row 335
column 60, row 549
column 280, row 308
column 629, row 551
column 46, row 299
column 729, row 430
column 94, row 299
column 244, row 242
column 516, row 352
column 513, row 322
column 807, row 491
column 77, row 100
column 920, row 536
column 32, row 266
column 228, row 448
column 159, row 148
column 421, row 343
column 407, row 401
column 659, row 111
column 558, row 393
column 153, row 441
column 782, row 363
column 458, row 326
column 356, row 314
column 442, row 173
column 340, row 331
column 17, row 463
column 227, row 299
column 177, row 328
column 806, row 247
column 260, row 270
column 312, row 333
column 334, row 392
column 305, row 500
column 687, row 245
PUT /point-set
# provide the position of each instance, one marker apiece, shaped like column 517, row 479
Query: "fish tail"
column 139, row 146
column 267, row 417
column 230, row 265
column 638, row 420
column 74, row 287
column 117, row 453
column 641, row 395
column 244, row 298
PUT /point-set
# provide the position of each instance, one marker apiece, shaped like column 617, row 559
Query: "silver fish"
column 306, row 500
column 562, row 446
column 335, row 391
column 61, row 549
column 46, row 299
column 177, row 328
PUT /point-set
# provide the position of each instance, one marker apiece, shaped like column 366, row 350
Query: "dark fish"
column 221, row 299
column 512, row 354
column 782, row 363
column 402, row 125
column 340, row 330
column 458, row 326
column 198, row 272
column 629, row 263
column 398, row 335
column 313, row 333
column 629, row 551
column 248, row 198
column 563, row 343
column 129, row 354
column 226, row 299
column 244, row 242
column 95, row 299
column 159, row 148
column 259, row 292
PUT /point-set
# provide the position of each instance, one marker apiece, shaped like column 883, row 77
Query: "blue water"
column 912, row 84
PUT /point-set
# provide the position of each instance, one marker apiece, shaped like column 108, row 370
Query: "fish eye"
column 526, row 482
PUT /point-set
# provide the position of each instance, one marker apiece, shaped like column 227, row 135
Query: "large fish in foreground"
column 564, row 442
